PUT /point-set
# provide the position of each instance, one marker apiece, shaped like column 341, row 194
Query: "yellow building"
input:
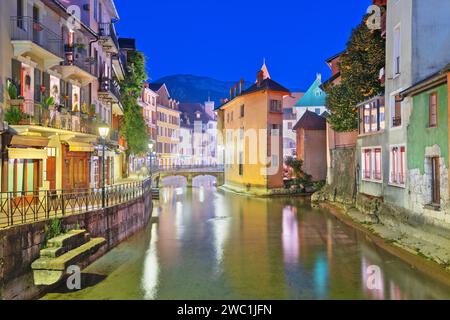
column 250, row 123
column 168, row 124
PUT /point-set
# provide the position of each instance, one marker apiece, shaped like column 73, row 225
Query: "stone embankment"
column 398, row 227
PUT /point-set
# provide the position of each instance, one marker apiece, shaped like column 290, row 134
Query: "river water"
column 210, row 244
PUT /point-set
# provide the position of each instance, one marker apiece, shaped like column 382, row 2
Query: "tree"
column 134, row 126
column 360, row 67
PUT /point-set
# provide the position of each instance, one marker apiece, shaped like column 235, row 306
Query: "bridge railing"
column 180, row 168
column 25, row 207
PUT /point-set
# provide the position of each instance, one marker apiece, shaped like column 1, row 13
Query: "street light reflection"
column 151, row 267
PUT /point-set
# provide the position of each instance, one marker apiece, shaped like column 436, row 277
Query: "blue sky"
column 228, row 39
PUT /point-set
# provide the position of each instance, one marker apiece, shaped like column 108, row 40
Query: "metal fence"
column 168, row 168
column 28, row 29
column 25, row 207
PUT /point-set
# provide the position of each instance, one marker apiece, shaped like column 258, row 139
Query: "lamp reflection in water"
column 291, row 242
column 221, row 230
column 151, row 267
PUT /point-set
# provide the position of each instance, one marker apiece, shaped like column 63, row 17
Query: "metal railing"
column 110, row 85
column 28, row 29
column 25, row 207
column 79, row 57
column 107, row 30
column 36, row 114
column 169, row 168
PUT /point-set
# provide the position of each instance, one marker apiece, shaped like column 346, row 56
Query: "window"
column 396, row 111
column 242, row 111
column 241, row 163
column 397, row 164
column 290, row 125
column 367, row 173
column 397, row 46
column 371, row 164
column 96, row 10
column 372, row 118
column 433, row 105
column 20, row 14
column 275, row 106
column 435, row 181
column 317, row 111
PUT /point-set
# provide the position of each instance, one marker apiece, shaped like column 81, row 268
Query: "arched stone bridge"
column 189, row 172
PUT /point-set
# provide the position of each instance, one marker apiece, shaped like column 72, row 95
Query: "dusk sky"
column 227, row 40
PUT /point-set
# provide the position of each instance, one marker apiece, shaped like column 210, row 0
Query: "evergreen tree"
column 360, row 67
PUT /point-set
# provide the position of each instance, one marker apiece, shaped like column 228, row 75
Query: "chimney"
column 259, row 78
column 319, row 76
column 231, row 93
column 241, row 86
column 236, row 90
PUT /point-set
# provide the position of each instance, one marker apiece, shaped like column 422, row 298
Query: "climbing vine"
column 134, row 126
column 360, row 67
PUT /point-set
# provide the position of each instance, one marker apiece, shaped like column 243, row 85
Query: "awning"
column 29, row 141
column 76, row 146
column 27, row 153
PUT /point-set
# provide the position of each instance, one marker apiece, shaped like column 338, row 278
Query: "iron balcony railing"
column 110, row 85
column 28, row 29
column 54, row 117
column 107, row 30
column 25, row 207
column 78, row 56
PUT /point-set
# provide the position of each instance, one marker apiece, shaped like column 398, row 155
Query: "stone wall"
column 20, row 245
column 341, row 183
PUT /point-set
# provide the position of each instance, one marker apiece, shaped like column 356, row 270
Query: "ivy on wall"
column 360, row 67
column 134, row 128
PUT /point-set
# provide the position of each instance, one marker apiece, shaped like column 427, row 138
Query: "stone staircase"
column 72, row 248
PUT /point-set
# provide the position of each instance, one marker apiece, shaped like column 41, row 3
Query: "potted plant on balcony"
column 84, row 110
column 92, row 112
column 14, row 98
column 14, row 115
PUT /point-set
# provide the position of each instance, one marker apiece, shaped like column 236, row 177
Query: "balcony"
column 78, row 66
column 32, row 38
column 119, row 61
column 109, row 91
column 56, row 118
column 108, row 37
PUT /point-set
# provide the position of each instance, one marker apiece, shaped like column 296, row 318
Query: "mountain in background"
column 190, row 88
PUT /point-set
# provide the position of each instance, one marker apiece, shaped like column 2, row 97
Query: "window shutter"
column 46, row 82
column 17, row 75
column 37, row 85
column 69, row 93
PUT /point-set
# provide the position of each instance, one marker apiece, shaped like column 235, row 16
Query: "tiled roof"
column 314, row 97
column 189, row 113
column 311, row 121
column 155, row 86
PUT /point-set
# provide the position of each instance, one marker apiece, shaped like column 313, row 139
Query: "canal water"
column 211, row 244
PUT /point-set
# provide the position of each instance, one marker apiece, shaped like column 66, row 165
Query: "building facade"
column 250, row 125
column 168, row 126
column 289, row 121
column 311, row 145
column 57, row 89
column 313, row 100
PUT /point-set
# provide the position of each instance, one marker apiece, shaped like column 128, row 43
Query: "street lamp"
column 103, row 131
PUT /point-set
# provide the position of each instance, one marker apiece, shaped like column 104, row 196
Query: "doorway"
column 435, row 181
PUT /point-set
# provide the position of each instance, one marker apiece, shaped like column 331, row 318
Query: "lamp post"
column 104, row 131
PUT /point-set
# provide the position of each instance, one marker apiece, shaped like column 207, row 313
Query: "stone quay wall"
column 20, row 245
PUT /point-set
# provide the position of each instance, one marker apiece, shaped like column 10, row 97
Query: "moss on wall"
column 420, row 135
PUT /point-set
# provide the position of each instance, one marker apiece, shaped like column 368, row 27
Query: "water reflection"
column 209, row 244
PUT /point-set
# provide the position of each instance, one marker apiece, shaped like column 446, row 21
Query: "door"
column 51, row 172
column 435, row 181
